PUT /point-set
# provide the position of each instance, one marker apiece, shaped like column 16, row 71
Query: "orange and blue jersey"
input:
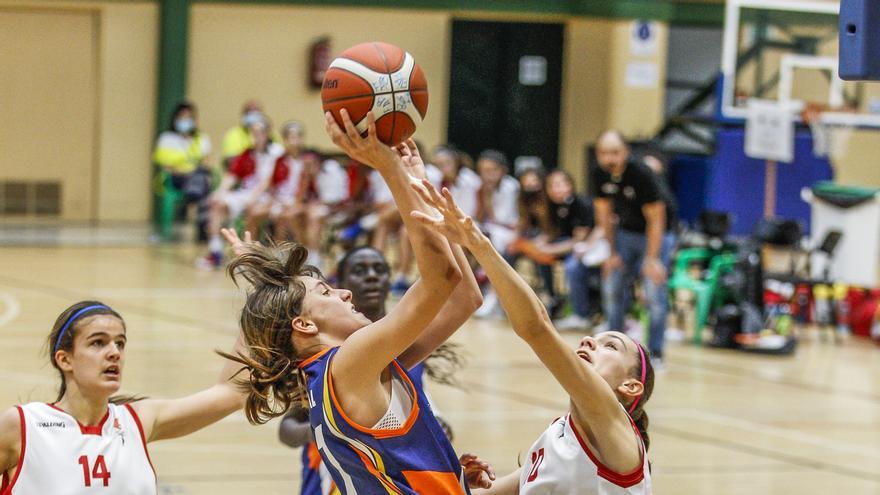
column 311, row 472
column 416, row 458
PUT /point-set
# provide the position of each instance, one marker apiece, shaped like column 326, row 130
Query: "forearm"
column 559, row 248
column 526, row 312
column 432, row 252
column 656, row 224
column 464, row 300
column 508, row 485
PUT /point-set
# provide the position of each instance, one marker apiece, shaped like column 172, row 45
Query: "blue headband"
column 73, row 319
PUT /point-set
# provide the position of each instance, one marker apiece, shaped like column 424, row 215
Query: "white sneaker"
column 489, row 308
column 572, row 322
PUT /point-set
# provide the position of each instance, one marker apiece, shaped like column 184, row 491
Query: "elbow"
column 475, row 299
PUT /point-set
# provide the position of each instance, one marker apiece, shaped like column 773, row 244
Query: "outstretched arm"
column 463, row 301
column 171, row 418
column 367, row 352
column 594, row 402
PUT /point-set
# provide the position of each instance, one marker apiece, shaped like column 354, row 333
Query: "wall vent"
column 35, row 198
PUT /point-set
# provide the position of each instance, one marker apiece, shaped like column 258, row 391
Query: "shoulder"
column 11, row 424
column 168, row 139
column 510, row 184
column 331, row 165
column 599, row 173
column 233, row 133
column 639, row 170
column 204, row 140
column 143, row 412
column 468, row 176
column 275, row 149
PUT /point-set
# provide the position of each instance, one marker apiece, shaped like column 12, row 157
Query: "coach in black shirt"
column 630, row 211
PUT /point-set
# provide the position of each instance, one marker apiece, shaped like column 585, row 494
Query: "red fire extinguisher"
column 320, row 61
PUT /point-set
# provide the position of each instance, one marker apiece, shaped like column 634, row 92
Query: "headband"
column 644, row 371
column 73, row 319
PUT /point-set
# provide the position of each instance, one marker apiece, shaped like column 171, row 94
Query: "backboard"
column 787, row 50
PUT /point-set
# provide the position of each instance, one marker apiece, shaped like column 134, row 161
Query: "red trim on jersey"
column 6, row 486
column 137, row 421
column 623, row 480
column 403, row 430
column 86, row 430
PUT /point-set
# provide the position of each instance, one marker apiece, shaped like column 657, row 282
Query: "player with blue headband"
column 90, row 438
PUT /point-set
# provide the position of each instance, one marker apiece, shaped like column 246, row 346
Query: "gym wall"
column 239, row 52
column 92, row 129
column 78, row 95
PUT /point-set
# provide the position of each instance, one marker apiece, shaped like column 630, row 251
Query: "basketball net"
column 829, row 140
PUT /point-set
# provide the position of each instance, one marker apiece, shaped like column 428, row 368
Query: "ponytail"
column 640, row 418
column 272, row 380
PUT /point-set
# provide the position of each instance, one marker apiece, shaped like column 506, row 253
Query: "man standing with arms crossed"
column 630, row 211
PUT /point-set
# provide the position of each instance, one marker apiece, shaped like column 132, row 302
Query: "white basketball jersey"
column 61, row 457
column 561, row 463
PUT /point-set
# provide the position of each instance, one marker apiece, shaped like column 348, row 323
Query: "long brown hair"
column 273, row 382
column 536, row 207
column 72, row 323
column 638, row 415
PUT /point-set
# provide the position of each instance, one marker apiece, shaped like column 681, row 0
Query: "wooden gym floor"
column 721, row 422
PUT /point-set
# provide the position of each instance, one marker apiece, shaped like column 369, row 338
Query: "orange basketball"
column 379, row 77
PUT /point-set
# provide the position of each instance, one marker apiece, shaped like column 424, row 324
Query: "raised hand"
column 367, row 150
column 238, row 245
column 412, row 160
column 478, row 473
column 452, row 223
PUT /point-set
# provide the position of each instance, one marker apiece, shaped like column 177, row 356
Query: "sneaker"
column 658, row 364
column 210, row 262
column 399, row 287
column 572, row 322
column 489, row 308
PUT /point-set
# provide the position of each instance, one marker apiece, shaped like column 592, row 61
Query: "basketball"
column 380, row 77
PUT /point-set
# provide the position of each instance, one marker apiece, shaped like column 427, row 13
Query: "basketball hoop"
column 812, row 116
column 829, row 139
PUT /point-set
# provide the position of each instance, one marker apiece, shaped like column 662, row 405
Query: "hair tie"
column 644, row 371
column 72, row 319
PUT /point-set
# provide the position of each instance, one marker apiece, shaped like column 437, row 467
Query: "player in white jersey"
column 600, row 446
column 85, row 442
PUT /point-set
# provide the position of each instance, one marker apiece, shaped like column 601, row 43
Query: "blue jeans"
column 617, row 287
column 577, row 276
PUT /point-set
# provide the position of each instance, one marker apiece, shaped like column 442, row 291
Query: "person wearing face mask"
column 238, row 138
column 183, row 152
column 241, row 191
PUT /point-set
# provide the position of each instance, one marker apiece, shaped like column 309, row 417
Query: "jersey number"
column 537, row 459
column 99, row 471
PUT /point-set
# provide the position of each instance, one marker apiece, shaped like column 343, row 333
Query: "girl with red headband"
column 600, row 446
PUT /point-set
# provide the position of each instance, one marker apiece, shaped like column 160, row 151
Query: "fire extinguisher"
column 320, row 61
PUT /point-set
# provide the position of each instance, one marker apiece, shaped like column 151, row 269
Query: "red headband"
column 644, row 371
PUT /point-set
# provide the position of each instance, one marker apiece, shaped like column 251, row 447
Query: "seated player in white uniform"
column 458, row 177
column 242, row 190
column 305, row 193
column 600, row 446
column 87, row 440
column 497, row 212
